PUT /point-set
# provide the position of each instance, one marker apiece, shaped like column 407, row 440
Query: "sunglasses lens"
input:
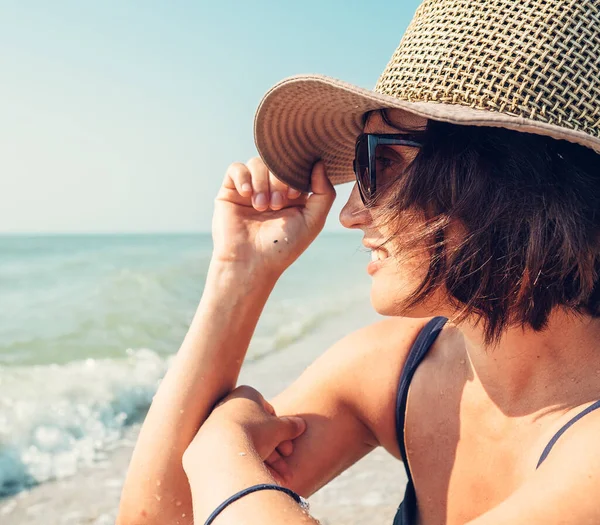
column 361, row 167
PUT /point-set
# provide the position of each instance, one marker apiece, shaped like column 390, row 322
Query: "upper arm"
column 564, row 490
column 347, row 397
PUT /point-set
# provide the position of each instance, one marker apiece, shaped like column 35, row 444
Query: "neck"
column 528, row 371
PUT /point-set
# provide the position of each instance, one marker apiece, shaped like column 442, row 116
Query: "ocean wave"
column 91, row 298
column 289, row 321
column 55, row 419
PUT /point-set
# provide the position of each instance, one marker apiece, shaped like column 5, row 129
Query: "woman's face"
column 394, row 278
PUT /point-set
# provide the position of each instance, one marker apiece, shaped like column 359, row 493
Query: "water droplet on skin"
column 178, row 503
column 183, row 515
column 157, row 497
column 181, row 411
column 158, row 483
column 242, row 453
column 462, row 361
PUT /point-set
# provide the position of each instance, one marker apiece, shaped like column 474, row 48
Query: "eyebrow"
column 381, row 126
column 383, row 117
column 388, row 125
column 385, row 128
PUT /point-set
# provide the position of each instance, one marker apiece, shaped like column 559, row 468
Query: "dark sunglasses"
column 365, row 159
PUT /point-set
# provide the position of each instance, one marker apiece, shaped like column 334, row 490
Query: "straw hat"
column 526, row 65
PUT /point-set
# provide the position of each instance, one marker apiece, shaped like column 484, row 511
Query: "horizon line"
column 114, row 233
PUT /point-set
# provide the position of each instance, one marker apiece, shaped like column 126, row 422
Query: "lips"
column 378, row 257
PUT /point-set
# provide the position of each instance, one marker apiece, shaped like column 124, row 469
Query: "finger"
column 238, row 177
column 286, row 448
column 260, row 184
column 323, row 195
column 293, row 193
column 282, row 468
column 279, row 191
column 299, row 201
column 268, row 407
column 273, row 458
column 232, row 187
column 290, row 427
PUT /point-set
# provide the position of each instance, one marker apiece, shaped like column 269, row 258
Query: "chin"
column 389, row 292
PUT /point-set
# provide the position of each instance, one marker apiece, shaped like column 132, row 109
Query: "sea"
column 91, row 322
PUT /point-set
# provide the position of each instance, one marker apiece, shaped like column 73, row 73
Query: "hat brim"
column 309, row 117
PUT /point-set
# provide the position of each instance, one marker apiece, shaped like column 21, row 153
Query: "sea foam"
column 55, row 419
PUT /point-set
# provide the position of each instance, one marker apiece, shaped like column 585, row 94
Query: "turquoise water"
column 89, row 324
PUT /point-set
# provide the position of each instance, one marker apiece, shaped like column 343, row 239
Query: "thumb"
column 322, row 197
column 292, row 427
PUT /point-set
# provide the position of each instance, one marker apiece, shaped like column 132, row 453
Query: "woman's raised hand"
column 261, row 222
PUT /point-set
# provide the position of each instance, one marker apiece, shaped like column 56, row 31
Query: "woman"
column 477, row 191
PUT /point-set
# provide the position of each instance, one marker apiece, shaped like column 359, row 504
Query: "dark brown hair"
column 527, row 212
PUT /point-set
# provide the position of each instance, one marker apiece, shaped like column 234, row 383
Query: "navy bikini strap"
column 418, row 351
column 553, row 441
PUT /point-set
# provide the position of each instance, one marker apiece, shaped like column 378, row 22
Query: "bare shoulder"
column 347, row 399
column 377, row 355
column 364, row 369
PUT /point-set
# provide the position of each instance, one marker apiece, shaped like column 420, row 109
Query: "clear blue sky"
column 122, row 116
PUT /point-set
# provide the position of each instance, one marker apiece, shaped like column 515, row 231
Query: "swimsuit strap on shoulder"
column 565, row 427
column 417, row 353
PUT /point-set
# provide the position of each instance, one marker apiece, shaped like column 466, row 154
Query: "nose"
column 354, row 214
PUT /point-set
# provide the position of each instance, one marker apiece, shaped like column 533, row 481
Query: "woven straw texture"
column 527, row 65
column 536, row 59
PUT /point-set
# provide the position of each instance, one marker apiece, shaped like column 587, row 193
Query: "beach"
column 93, row 325
column 369, row 492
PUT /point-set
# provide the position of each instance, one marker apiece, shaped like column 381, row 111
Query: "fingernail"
column 247, row 187
column 276, row 200
column 261, row 200
column 293, row 193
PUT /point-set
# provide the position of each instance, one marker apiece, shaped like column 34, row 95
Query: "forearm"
column 228, row 468
column 205, row 369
